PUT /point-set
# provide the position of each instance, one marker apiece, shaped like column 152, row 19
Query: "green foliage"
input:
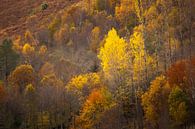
column 8, row 58
column 178, row 105
column 44, row 6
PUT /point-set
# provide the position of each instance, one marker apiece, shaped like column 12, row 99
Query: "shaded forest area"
column 100, row 64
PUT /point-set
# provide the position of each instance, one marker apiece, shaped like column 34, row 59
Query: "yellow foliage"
column 28, row 49
column 113, row 54
column 91, row 80
column 139, row 9
column 140, row 59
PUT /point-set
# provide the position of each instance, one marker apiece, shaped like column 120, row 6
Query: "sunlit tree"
column 114, row 57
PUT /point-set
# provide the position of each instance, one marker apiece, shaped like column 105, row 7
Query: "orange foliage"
column 177, row 73
column 98, row 102
column 182, row 73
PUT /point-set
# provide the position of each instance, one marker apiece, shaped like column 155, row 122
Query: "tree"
column 137, row 52
column 98, row 102
column 82, row 85
column 154, row 102
column 178, row 106
column 141, row 61
column 30, row 95
column 114, row 57
column 22, row 76
column 8, row 58
column 182, row 74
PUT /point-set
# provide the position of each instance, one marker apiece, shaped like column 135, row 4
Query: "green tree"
column 8, row 58
column 178, row 108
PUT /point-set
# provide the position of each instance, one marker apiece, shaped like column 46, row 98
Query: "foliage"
column 28, row 50
column 113, row 55
column 82, row 85
column 154, row 101
column 44, row 6
column 8, row 58
column 22, row 76
column 181, row 74
column 141, row 60
column 178, row 105
column 96, row 104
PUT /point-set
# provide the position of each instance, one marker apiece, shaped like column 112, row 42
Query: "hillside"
column 15, row 13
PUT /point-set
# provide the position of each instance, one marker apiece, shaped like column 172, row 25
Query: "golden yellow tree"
column 114, row 57
column 140, row 59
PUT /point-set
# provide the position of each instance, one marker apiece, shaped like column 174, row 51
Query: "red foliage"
column 182, row 74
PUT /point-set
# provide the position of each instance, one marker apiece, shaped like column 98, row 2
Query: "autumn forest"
column 97, row 64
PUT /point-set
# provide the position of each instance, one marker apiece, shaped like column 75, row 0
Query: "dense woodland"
column 102, row 64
